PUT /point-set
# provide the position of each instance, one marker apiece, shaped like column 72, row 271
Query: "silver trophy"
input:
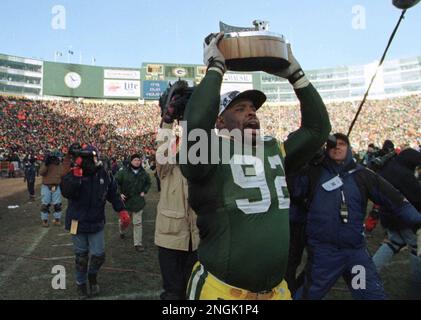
column 254, row 48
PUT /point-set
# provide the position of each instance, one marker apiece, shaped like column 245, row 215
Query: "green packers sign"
column 179, row 72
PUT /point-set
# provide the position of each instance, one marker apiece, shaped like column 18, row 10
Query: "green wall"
column 91, row 86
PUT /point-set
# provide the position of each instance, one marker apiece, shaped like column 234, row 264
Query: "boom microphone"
column 404, row 4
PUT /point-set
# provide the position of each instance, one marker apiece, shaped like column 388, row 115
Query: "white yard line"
column 58, row 258
column 63, row 245
column 9, row 271
column 43, row 277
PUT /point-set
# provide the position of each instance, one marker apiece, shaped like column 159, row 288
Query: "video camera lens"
column 83, row 153
column 87, row 153
column 181, row 90
column 331, row 142
column 76, row 150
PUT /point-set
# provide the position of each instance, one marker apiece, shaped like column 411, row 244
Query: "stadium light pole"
column 57, row 54
column 69, row 52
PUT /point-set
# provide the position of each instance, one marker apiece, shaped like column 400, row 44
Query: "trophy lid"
column 260, row 28
column 259, row 25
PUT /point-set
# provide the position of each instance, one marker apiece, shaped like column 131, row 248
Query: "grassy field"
column 28, row 253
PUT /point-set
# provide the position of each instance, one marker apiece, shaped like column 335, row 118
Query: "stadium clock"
column 72, row 80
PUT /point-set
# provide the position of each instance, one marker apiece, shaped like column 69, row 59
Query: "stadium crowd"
column 120, row 129
column 396, row 119
column 35, row 126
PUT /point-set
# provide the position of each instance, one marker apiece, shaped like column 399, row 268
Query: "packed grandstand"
column 118, row 129
column 46, row 105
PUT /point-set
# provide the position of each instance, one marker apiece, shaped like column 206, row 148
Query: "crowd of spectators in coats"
column 120, row 129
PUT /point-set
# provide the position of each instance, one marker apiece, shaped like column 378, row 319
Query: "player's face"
column 338, row 153
column 242, row 115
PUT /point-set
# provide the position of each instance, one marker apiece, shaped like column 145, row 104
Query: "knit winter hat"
column 134, row 156
column 388, row 146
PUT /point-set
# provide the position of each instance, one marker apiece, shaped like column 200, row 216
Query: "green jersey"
column 243, row 218
column 242, row 204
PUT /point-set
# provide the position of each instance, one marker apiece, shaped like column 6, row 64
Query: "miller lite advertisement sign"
column 121, row 88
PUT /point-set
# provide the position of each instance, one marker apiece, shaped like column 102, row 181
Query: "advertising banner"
column 235, row 87
column 121, row 74
column 122, row 88
column 152, row 90
column 179, row 72
column 238, row 77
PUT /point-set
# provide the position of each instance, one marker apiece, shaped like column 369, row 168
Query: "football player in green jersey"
column 242, row 203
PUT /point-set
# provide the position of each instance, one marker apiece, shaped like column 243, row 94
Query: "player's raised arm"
column 202, row 109
column 302, row 144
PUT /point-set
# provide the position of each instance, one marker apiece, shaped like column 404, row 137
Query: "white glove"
column 294, row 74
column 419, row 242
column 212, row 57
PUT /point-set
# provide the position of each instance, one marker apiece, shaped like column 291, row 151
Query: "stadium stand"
column 119, row 129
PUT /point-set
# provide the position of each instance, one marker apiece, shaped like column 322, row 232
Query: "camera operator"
column 51, row 171
column 336, row 199
column 369, row 155
column 87, row 186
column 176, row 233
column 399, row 170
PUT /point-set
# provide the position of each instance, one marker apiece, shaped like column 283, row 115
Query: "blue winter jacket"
column 324, row 222
column 87, row 197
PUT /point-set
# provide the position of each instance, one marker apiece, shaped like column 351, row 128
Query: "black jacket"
column 87, row 197
column 399, row 171
column 30, row 172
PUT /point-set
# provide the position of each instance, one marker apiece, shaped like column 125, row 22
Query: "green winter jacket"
column 132, row 185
